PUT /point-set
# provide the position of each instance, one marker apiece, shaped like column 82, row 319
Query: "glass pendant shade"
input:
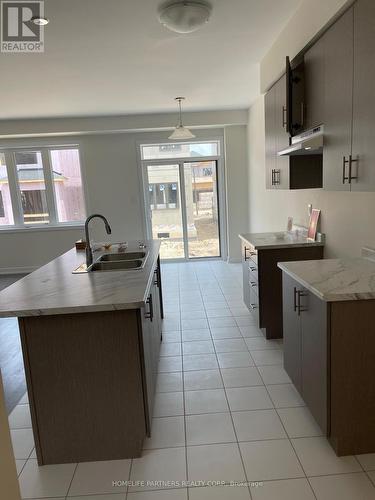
column 181, row 132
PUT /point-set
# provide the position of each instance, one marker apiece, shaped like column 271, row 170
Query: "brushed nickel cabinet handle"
column 351, row 161
column 284, row 117
column 344, row 176
column 299, row 306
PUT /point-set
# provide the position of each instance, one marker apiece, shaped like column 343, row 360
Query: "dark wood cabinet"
column 270, row 136
column 338, row 90
column 286, row 172
column 262, row 284
column 329, row 352
column 91, row 381
column 305, row 346
column 151, row 335
column 363, row 148
column 292, row 336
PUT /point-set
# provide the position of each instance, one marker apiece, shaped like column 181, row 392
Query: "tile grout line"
column 289, row 439
column 183, row 405
column 234, row 427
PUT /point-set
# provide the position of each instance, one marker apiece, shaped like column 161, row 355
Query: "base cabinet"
column 305, row 346
column 329, row 352
column 262, row 285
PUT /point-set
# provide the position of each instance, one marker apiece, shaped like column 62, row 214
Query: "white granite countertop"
column 53, row 289
column 334, row 280
column 262, row 241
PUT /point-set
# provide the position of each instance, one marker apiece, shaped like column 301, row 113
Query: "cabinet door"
column 282, row 137
column 245, row 275
column 148, row 362
column 314, row 84
column 156, row 325
column 314, row 356
column 269, row 116
column 364, row 97
column 338, row 86
column 292, row 332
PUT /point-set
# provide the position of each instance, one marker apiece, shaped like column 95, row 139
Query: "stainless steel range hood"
column 307, row 143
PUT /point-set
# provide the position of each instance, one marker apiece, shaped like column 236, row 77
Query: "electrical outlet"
column 309, row 209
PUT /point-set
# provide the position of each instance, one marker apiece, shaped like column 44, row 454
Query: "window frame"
column 15, row 191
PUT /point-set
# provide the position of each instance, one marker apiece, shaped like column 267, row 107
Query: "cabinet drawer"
column 253, row 271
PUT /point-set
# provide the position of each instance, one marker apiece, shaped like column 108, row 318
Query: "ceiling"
column 112, row 57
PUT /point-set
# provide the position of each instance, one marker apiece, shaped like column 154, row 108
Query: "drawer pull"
column 254, row 306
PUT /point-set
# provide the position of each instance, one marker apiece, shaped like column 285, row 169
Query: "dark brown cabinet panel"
column 262, row 283
column 281, row 176
column 363, row 149
column 270, row 136
column 314, row 84
column 329, row 351
column 338, row 91
column 305, row 346
column 313, row 314
column 292, row 336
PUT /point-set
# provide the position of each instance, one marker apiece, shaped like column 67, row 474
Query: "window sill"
column 50, row 227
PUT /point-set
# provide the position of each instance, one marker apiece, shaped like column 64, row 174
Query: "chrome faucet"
column 89, row 257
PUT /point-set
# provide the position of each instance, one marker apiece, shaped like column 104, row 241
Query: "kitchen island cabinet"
column 91, row 347
column 329, row 346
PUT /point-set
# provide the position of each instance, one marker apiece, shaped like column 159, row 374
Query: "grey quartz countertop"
column 53, row 289
column 262, row 241
column 334, row 280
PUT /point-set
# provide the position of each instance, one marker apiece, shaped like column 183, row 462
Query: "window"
column 163, row 196
column 180, row 150
column 6, row 210
column 32, row 187
column 67, row 181
column 47, row 187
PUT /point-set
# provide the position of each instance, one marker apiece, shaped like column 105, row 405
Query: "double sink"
column 126, row 261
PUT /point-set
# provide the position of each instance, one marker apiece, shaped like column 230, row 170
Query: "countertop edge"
column 290, row 244
column 326, row 297
column 304, row 283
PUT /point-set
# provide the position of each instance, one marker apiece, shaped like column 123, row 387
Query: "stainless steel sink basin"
column 109, row 257
column 118, row 265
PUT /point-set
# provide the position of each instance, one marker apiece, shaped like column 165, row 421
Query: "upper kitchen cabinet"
column 286, row 172
column 338, row 92
column 363, row 148
column 277, row 169
column 314, row 84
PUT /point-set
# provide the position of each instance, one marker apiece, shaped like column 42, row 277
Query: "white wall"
column 111, row 175
column 309, row 19
column 237, row 192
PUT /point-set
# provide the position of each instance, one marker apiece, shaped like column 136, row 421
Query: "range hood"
column 307, row 143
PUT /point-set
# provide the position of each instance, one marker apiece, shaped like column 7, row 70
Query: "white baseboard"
column 233, row 260
column 17, row 270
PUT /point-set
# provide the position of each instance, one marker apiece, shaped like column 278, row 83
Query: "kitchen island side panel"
column 85, row 384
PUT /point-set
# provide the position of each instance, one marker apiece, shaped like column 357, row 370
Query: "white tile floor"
column 225, row 410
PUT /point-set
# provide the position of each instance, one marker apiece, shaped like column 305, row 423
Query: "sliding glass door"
column 182, row 205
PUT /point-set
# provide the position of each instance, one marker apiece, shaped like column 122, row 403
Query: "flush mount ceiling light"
column 184, row 16
column 181, row 132
column 40, row 21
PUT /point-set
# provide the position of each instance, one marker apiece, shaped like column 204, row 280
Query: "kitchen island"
column 329, row 346
column 90, row 344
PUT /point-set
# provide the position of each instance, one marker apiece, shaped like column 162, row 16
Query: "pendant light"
column 181, row 132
